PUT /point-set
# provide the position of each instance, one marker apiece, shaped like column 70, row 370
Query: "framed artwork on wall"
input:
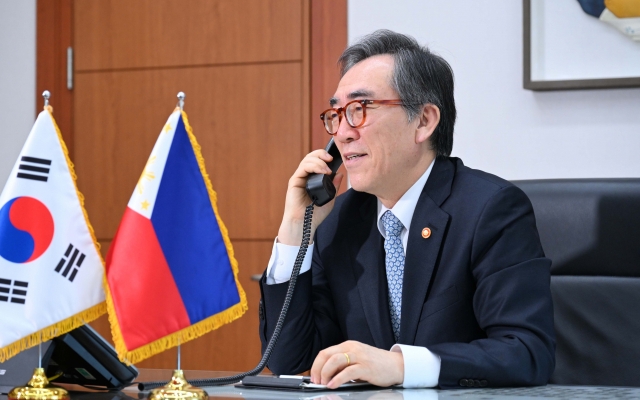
column 581, row 44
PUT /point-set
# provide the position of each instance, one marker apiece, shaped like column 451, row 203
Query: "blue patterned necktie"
column 394, row 261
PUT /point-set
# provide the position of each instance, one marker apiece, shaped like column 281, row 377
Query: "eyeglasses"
column 355, row 111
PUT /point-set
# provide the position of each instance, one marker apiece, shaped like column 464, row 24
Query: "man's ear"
column 428, row 121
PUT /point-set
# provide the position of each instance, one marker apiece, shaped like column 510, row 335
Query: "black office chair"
column 590, row 229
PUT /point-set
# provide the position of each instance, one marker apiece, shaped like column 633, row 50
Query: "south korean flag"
column 51, row 272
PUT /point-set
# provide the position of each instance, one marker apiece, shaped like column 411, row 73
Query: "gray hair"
column 419, row 76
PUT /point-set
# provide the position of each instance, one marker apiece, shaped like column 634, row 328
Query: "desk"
column 555, row 392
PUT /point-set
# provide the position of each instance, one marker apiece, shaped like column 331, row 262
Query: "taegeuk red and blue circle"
column 26, row 229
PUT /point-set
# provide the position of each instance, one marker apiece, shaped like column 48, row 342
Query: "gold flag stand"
column 178, row 387
column 38, row 388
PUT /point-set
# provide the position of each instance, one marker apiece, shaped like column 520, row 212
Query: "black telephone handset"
column 320, row 187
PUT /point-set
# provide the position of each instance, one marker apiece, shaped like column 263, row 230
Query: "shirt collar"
column 405, row 207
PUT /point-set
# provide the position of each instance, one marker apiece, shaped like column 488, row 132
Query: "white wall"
column 503, row 128
column 17, row 79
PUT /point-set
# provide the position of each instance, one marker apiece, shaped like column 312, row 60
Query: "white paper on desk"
column 344, row 385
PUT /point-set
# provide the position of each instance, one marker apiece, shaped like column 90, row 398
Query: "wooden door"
column 246, row 69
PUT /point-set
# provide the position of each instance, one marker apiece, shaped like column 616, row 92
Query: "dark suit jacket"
column 476, row 292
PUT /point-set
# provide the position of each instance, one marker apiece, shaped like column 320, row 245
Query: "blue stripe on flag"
column 189, row 234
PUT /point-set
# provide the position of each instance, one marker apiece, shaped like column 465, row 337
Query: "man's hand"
column 367, row 363
column 297, row 200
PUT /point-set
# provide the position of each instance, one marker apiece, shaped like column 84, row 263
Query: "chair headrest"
column 588, row 226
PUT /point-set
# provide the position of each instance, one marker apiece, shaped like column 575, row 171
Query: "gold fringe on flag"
column 74, row 177
column 52, row 331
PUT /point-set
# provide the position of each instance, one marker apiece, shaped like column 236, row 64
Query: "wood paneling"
column 246, row 118
column 328, row 40
column 162, row 33
column 233, row 347
column 305, row 34
column 53, row 37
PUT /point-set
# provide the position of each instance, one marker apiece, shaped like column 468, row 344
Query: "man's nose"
column 346, row 133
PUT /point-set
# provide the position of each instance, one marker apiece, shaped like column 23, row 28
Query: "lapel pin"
column 426, row 232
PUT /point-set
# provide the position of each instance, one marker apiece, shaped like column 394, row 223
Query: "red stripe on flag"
column 145, row 296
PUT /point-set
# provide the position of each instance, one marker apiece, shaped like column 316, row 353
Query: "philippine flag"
column 51, row 272
column 171, row 272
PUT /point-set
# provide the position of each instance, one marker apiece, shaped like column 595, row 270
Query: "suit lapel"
column 422, row 253
column 367, row 264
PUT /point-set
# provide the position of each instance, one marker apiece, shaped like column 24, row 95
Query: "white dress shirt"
column 421, row 366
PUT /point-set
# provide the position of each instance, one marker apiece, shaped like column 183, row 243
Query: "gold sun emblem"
column 146, row 174
column 167, row 128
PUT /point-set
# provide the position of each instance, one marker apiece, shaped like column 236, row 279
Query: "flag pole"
column 178, row 387
column 181, row 97
column 179, row 353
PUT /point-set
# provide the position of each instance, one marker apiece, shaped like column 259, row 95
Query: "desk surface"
column 556, row 392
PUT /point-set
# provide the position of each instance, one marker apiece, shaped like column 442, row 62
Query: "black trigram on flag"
column 13, row 291
column 73, row 263
column 33, row 168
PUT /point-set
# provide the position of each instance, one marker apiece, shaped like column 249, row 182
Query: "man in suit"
column 426, row 272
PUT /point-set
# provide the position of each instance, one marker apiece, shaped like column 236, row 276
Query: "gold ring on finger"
column 348, row 359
